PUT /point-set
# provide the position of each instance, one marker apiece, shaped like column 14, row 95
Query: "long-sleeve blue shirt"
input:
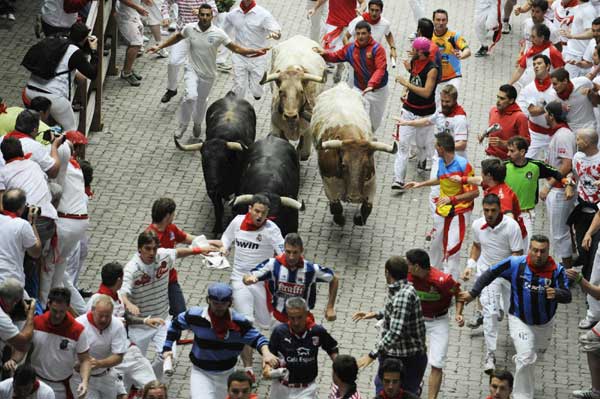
column 208, row 351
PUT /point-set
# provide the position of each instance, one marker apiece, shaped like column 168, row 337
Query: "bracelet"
column 196, row 250
column 579, row 278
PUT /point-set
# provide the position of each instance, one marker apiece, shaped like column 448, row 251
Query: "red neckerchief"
column 73, row 161
column 10, row 214
column 3, row 108
column 367, row 17
column 90, row 318
column 457, row 110
column 418, row 65
column 248, row 225
column 51, row 328
column 27, row 156
column 547, row 271
column 310, row 323
column 571, row 3
column 36, row 386
column 537, row 49
column 18, row 135
column 383, row 395
column 221, row 325
column 283, row 260
column 567, row 92
column 544, row 84
column 559, row 125
column 247, row 8
column 104, row 290
column 486, row 225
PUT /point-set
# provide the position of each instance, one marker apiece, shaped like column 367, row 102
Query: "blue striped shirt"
column 209, row 352
column 528, row 299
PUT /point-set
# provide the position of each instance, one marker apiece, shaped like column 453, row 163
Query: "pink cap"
column 421, row 44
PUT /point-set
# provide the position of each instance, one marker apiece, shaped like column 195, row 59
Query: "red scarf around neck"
column 283, row 260
column 547, row 271
column 544, row 84
column 248, row 225
column 18, row 135
column 537, row 49
column 73, row 161
column 3, row 108
column 12, row 215
column 486, row 225
column 418, row 65
column 90, row 318
column 367, row 17
column 27, row 156
column 221, row 325
column 247, row 8
column 383, row 395
column 567, row 92
column 105, row 290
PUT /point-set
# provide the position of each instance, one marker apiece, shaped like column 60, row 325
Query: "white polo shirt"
column 55, row 348
column 16, row 235
column 29, row 177
column 252, row 28
column 204, row 46
column 43, row 392
column 496, row 243
column 103, row 343
column 378, row 31
column 562, row 146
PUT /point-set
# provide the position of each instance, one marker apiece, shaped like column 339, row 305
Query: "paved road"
column 135, row 162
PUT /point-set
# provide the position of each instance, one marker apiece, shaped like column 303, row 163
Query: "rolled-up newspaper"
column 168, row 366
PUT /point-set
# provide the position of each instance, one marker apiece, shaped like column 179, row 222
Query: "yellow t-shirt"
column 8, row 120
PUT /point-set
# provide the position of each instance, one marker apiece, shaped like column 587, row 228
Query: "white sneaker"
column 586, row 324
column 162, row 53
column 489, row 364
column 586, row 394
column 11, row 16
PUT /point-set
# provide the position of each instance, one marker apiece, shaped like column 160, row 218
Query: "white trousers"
column 437, row 331
column 103, row 387
column 593, row 312
column 280, row 391
column 538, row 147
column 247, row 75
column 61, row 109
column 406, row 134
column 486, row 19
column 76, row 262
column 495, row 300
column 529, row 221
column 195, row 101
column 559, row 209
column 142, row 336
column 317, row 23
column 448, row 256
column 135, row 369
column 375, row 102
column 60, row 391
column 530, row 344
column 208, row 384
column 251, row 301
column 177, row 56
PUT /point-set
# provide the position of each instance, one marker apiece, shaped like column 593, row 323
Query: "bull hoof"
column 339, row 219
column 336, row 208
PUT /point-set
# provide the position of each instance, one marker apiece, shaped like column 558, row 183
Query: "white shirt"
column 54, row 14
column 147, row 286
column 27, row 175
column 587, row 170
column 530, row 95
column 16, row 235
column 378, row 31
column 581, row 111
column 8, row 329
column 456, row 124
column 251, row 247
column 563, row 17
column 496, row 243
column 74, row 200
column 583, row 15
column 526, row 33
column 43, row 392
column 103, row 343
column 40, row 153
column 252, row 29
column 562, row 146
column 589, row 51
column 204, row 47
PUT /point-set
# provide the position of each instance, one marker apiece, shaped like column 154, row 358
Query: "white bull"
column 298, row 74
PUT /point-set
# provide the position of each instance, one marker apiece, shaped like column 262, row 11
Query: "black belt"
column 30, row 87
column 437, row 316
column 296, row 385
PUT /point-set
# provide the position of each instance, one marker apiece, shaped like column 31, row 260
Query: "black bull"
column 230, row 130
column 272, row 168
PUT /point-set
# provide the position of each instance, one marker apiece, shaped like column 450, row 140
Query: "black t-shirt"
column 300, row 353
column 415, row 103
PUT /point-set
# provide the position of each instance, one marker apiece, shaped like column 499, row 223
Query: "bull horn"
column 235, row 146
column 269, row 78
column 315, row 78
column 391, row 148
column 242, row 199
column 332, row 144
column 187, row 147
column 292, row 203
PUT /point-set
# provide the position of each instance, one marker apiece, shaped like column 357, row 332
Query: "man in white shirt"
column 531, row 100
column 145, row 290
column 594, row 34
column 573, row 94
column 253, row 26
column 256, row 239
column 11, row 297
column 204, row 40
column 25, row 385
column 380, row 26
column 17, row 235
column 583, row 15
column 539, row 9
column 108, row 343
column 495, row 237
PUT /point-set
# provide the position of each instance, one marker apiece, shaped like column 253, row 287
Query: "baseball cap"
column 220, row 292
column 421, row 44
column 555, row 109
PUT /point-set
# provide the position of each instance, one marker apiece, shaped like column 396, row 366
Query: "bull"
column 342, row 136
column 272, row 168
column 230, row 130
column 298, row 73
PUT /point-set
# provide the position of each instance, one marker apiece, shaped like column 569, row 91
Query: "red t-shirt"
column 513, row 122
column 168, row 238
column 435, row 291
column 509, row 202
column 341, row 12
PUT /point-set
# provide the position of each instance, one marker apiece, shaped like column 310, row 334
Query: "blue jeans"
column 414, row 369
column 176, row 299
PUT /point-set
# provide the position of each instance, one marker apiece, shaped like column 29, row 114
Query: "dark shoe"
column 85, row 293
column 257, row 98
column 130, row 79
column 506, row 28
column 136, row 75
column 398, row 186
column 168, row 96
column 482, row 52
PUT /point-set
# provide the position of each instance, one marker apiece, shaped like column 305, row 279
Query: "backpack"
column 43, row 58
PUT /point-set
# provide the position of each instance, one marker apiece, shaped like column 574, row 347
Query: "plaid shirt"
column 403, row 329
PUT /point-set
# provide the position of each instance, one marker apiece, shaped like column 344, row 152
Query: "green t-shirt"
column 524, row 180
column 8, row 120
